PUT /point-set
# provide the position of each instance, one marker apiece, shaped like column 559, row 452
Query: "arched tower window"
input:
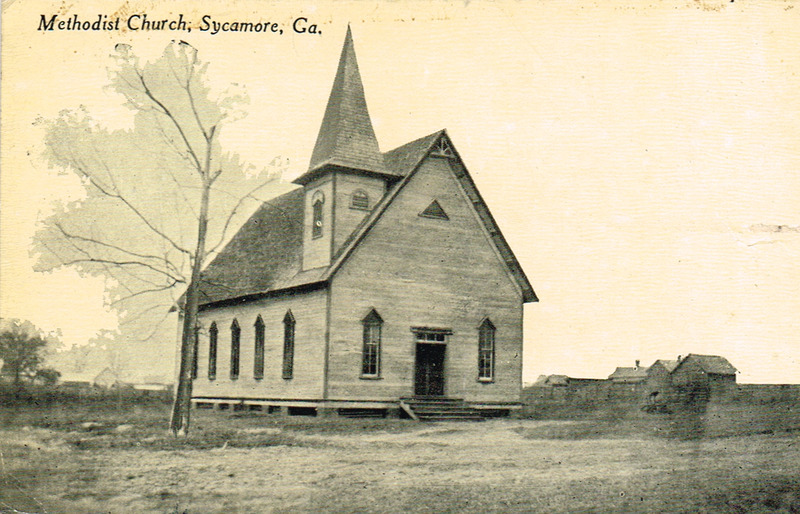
column 288, row 345
column 359, row 200
column 486, row 351
column 212, row 351
column 236, row 334
column 317, row 201
column 371, row 349
column 258, row 361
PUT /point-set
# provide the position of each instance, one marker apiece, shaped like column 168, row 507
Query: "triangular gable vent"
column 434, row 210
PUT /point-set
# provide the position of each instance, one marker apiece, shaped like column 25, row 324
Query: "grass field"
column 123, row 461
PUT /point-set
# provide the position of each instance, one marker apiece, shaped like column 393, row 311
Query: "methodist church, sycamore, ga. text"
column 137, row 22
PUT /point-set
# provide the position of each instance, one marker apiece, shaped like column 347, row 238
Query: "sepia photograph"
column 399, row 256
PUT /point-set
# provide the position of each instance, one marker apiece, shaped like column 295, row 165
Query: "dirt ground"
column 261, row 463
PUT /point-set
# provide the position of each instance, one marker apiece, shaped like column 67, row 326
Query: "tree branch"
column 144, row 291
column 92, row 260
column 115, row 194
column 174, row 121
column 233, row 212
column 169, row 265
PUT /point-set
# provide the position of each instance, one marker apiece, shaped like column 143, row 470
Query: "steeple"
column 346, row 138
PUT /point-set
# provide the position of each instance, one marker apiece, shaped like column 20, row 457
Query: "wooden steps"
column 440, row 408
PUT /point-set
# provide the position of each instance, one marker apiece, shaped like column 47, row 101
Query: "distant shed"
column 708, row 369
column 703, row 375
column 634, row 375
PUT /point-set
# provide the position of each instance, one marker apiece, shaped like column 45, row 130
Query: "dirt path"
column 494, row 466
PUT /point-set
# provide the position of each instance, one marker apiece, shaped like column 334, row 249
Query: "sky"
column 641, row 160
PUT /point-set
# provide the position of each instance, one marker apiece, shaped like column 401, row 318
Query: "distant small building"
column 659, row 380
column 703, row 375
column 107, row 379
column 634, row 375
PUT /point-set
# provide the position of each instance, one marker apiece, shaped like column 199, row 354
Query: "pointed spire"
column 346, row 137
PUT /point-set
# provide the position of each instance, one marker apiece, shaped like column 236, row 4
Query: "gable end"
column 435, row 146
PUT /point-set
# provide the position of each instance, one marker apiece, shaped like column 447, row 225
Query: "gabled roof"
column 668, row 364
column 265, row 256
column 713, row 364
column 622, row 373
column 405, row 158
column 346, row 137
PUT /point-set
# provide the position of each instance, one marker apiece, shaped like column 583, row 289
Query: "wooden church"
column 380, row 284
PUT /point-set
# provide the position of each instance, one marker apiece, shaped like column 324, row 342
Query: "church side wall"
column 308, row 310
column 422, row 272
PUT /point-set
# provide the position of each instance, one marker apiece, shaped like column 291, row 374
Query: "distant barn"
column 703, row 375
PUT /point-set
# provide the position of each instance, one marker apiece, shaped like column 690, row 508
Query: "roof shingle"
column 711, row 364
column 264, row 255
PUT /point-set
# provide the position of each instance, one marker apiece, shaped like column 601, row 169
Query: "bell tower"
column 346, row 176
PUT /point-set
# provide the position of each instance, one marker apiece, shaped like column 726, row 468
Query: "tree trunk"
column 182, row 405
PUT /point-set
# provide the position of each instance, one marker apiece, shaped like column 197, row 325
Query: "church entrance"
column 429, row 375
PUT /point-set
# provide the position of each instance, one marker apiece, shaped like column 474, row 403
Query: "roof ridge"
column 416, row 141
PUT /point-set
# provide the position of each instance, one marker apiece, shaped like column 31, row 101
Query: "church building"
column 382, row 282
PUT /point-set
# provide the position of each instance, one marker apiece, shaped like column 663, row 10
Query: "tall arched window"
column 258, row 362
column 486, row 351
column 236, row 334
column 212, row 351
column 317, row 200
column 371, row 349
column 288, row 345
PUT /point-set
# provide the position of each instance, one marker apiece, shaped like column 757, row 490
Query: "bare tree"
column 160, row 197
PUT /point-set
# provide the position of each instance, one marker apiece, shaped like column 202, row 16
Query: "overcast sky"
column 641, row 161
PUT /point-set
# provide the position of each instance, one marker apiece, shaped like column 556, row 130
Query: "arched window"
column 371, row 349
column 288, row 345
column 317, row 200
column 258, row 362
column 212, row 351
column 236, row 334
column 486, row 351
column 359, row 200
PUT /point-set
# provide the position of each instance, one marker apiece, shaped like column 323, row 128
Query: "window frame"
column 371, row 345
column 258, row 350
column 317, row 215
column 487, row 332
column 289, row 325
column 236, row 342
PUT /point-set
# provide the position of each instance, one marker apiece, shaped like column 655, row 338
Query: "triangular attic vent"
column 434, row 210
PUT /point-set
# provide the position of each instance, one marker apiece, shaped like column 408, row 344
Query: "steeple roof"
column 346, row 137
